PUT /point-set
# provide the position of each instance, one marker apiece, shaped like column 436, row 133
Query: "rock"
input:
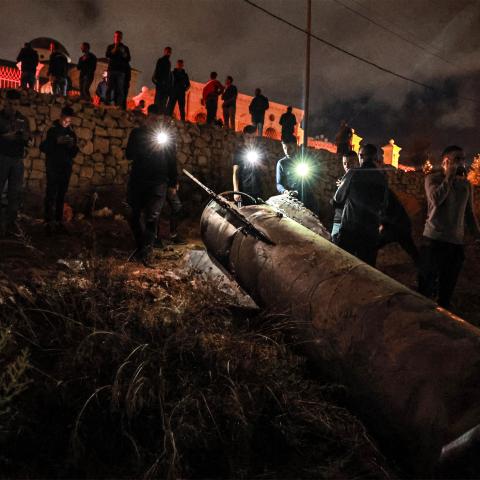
column 186, row 138
column 76, row 168
column 116, row 113
column 101, row 132
column 87, row 148
column 181, row 158
column 43, row 109
column 98, row 179
column 55, row 112
column 110, row 172
column 74, row 180
column 34, row 152
column 84, row 133
column 115, row 141
column 98, row 157
column 110, row 161
column 79, row 159
column 86, row 172
column 117, row 152
column 99, row 168
column 76, row 121
column 88, row 124
column 35, row 174
column 38, row 164
column 110, row 122
column 101, row 145
column 202, row 160
column 200, row 142
column 116, row 132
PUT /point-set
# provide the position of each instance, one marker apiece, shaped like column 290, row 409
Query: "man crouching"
column 152, row 151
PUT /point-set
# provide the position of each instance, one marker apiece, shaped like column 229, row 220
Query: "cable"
column 353, row 55
column 405, row 39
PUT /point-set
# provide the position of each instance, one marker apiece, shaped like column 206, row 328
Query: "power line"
column 405, row 39
column 353, row 55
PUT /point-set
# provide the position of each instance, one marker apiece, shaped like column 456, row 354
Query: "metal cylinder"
column 413, row 367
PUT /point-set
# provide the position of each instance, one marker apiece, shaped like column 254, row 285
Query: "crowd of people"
column 366, row 213
column 171, row 85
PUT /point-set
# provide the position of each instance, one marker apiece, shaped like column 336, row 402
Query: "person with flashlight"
column 294, row 176
column 247, row 164
column 153, row 176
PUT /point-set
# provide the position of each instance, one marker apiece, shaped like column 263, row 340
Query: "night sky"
column 232, row 37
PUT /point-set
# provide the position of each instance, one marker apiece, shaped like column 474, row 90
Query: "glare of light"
column 252, row 156
column 302, row 169
column 161, row 138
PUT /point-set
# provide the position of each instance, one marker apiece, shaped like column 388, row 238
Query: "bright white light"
column 252, row 156
column 303, row 169
column 161, row 138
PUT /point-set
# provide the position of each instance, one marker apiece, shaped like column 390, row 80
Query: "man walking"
column 118, row 56
column 288, row 122
column 87, row 64
column 181, row 84
column 258, row 106
column 152, row 176
column 450, row 204
column 210, row 94
column 28, row 57
column 58, row 71
column 229, row 107
column 60, row 148
column 162, row 79
column 14, row 137
column 363, row 192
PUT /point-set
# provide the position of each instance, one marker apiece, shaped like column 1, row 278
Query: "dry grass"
column 141, row 373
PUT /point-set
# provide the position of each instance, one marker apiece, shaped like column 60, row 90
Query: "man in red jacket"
column 211, row 92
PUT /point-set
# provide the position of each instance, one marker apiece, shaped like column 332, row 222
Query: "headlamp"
column 302, row 169
column 161, row 137
column 252, row 156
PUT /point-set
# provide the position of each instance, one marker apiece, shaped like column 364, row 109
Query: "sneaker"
column 178, row 240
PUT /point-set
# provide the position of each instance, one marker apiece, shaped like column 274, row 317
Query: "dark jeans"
column 211, row 104
column 161, row 99
column 85, row 84
column 147, row 200
column 28, row 80
column 229, row 116
column 57, row 186
column 59, row 86
column 361, row 244
column 440, row 266
column 172, row 101
column 116, row 87
column 391, row 234
column 11, row 170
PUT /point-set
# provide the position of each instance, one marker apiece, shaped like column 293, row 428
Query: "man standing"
column 87, row 64
column 58, row 71
column 343, row 139
column 349, row 161
column 229, row 97
column 258, row 106
column 210, row 94
column 60, row 148
column 118, row 56
column 363, row 192
column 450, row 203
column 152, row 176
column 14, row 136
column 247, row 168
column 181, row 84
column 294, row 177
column 102, row 88
column 28, row 57
column 162, row 79
column 288, row 122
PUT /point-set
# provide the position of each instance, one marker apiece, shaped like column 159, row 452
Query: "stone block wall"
column 204, row 150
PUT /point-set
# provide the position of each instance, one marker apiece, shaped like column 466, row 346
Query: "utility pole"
column 307, row 76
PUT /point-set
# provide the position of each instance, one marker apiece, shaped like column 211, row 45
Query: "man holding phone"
column 450, row 205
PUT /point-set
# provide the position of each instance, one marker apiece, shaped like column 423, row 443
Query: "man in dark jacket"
column 363, row 192
column 288, row 122
column 162, row 79
column 229, row 107
column 349, row 161
column 153, row 174
column 14, row 137
column 60, row 148
column 58, row 70
column 29, row 60
column 450, row 208
column 294, row 176
column 118, row 56
column 87, row 64
column 181, row 84
column 258, row 106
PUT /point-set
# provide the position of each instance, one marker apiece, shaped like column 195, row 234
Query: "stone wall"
column 205, row 151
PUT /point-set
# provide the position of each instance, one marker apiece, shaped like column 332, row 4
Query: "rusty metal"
column 413, row 367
